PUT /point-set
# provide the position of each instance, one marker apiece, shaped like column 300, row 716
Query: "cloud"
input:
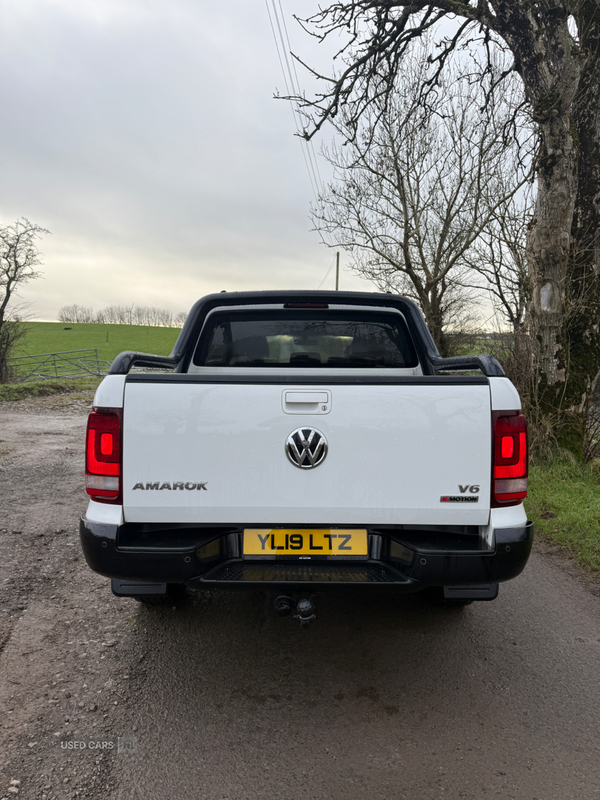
column 145, row 136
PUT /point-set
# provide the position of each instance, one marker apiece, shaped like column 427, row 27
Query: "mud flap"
column 136, row 588
column 488, row 591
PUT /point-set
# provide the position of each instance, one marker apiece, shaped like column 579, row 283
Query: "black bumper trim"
column 453, row 568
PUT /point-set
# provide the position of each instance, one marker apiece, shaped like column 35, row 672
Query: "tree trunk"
column 548, row 246
column 584, row 285
column 555, row 80
column 564, row 242
column 435, row 320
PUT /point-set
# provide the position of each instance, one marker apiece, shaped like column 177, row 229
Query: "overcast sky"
column 144, row 135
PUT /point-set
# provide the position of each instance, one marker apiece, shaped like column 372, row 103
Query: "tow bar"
column 304, row 606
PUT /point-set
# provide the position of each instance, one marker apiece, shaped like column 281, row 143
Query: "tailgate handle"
column 306, row 402
column 306, row 397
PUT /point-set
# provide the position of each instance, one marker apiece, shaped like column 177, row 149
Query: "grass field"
column 564, row 502
column 109, row 340
column 23, row 391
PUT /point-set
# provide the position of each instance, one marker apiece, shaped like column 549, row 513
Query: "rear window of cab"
column 305, row 338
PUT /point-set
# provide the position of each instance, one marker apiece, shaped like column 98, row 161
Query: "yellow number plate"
column 304, row 542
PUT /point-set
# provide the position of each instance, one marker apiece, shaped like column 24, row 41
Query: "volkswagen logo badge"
column 306, row 448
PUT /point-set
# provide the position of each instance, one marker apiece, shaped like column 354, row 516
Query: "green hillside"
column 109, row 340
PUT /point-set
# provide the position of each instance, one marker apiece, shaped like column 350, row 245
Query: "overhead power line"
column 292, row 85
column 333, row 263
column 297, row 93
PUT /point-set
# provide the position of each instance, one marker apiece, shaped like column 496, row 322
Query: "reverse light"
column 509, row 469
column 103, row 455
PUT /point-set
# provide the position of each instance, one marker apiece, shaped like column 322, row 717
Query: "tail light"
column 103, row 455
column 509, row 469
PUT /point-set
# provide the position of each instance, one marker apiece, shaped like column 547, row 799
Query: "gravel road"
column 218, row 699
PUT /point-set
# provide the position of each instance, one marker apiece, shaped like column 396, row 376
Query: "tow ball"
column 304, row 607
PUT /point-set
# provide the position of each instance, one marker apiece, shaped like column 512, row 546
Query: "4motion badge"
column 306, row 448
column 468, row 494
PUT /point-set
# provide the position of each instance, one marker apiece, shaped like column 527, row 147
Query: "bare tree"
column 180, row 318
column 66, row 313
column 165, row 318
column 75, row 313
column 416, row 187
column 140, row 315
column 19, row 257
column 12, row 331
column 119, row 315
column 555, row 47
column 499, row 256
column 111, row 315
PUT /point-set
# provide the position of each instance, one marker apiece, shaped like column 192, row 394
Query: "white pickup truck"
column 300, row 441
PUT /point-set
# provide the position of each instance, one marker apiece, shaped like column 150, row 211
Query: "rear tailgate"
column 406, row 451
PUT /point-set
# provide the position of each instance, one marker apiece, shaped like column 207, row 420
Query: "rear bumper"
column 406, row 560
